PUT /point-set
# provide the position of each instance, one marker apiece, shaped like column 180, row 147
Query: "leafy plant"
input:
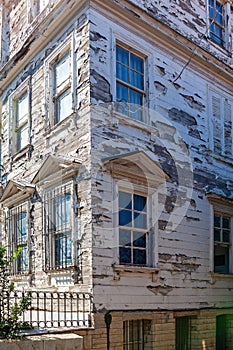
column 11, row 308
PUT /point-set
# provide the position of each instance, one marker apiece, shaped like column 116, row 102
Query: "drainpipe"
column 108, row 321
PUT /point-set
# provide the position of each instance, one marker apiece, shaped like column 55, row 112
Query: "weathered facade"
column 116, row 156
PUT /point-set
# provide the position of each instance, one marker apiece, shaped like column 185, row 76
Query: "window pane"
column 22, row 137
column 217, row 220
column 140, row 220
column 62, row 212
column 125, row 237
column 221, row 259
column 125, row 200
column 125, row 255
column 122, row 55
column 226, row 236
column 22, row 109
column 62, row 71
column 21, row 227
column 122, row 73
column 139, row 203
column 23, row 259
column 217, row 235
column 139, row 239
column 136, row 80
column 63, row 106
column 122, row 93
column 63, row 249
column 139, row 257
column 225, row 222
column 125, row 218
column 136, row 63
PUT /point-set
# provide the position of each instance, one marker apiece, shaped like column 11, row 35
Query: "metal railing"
column 56, row 309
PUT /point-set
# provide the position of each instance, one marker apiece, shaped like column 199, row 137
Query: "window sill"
column 118, row 270
column 219, row 276
column 22, row 153
column 60, row 126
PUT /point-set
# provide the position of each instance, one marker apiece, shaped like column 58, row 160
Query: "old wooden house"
column 116, row 168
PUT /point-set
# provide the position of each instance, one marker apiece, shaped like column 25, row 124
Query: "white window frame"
column 50, row 98
column 50, row 194
column 36, row 7
column 120, row 106
column 223, row 210
column 152, row 200
column 226, row 24
column 19, row 92
column 213, row 120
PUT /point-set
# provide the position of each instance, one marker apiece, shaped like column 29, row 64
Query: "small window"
column 130, row 89
column 58, row 230
column 222, row 243
column 217, row 21
column 62, row 97
column 133, row 229
column 137, row 335
column 183, row 333
column 17, row 228
column 21, row 121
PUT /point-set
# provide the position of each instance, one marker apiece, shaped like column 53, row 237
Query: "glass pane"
column 136, row 80
column 125, row 238
column 22, row 137
column 125, row 218
column 139, row 239
column 217, row 235
column 23, row 259
column 217, row 220
column 63, row 249
column 62, row 212
column 225, row 222
column 122, row 73
column 22, row 109
column 21, row 227
column 125, row 255
column 122, row 55
column 136, row 63
column 63, row 106
column 226, row 236
column 221, row 259
column 122, row 93
column 139, row 257
column 140, row 220
column 62, row 71
column 139, row 203
column 125, row 200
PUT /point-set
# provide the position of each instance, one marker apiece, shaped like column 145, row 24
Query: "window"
column 221, row 111
column 21, row 127
column 130, row 90
column 62, row 97
column 224, row 332
column 222, row 242
column 183, row 333
column 137, row 335
column 58, row 230
column 216, row 21
column 17, row 228
column 133, row 229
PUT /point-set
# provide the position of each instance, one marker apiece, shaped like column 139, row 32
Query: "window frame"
column 51, row 98
column 50, row 234
column 224, row 100
column 130, row 87
column 12, row 236
column 141, row 325
column 220, row 207
column 224, row 39
column 14, row 129
column 152, row 200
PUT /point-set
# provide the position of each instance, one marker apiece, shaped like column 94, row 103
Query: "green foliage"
column 11, row 309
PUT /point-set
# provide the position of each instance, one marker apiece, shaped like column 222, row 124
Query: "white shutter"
column 227, row 127
column 217, row 127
